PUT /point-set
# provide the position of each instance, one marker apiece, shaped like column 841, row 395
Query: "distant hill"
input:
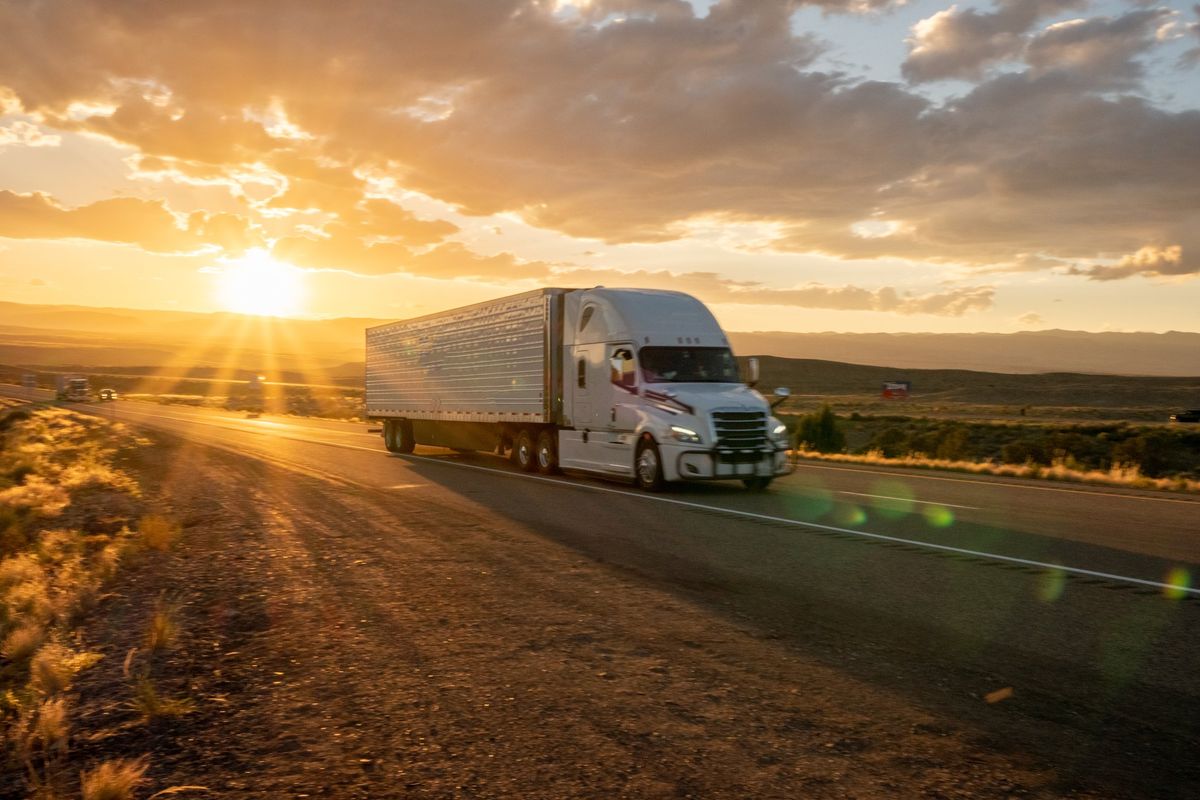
column 83, row 336
column 1171, row 353
column 812, row 380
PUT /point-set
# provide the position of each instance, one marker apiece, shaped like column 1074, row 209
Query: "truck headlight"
column 779, row 432
column 685, row 434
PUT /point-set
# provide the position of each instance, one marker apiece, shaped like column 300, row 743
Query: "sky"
column 836, row 165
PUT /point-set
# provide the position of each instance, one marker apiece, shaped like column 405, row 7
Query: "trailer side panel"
column 484, row 363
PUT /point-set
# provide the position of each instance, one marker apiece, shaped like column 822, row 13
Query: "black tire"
column 547, row 452
column 398, row 436
column 757, row 484
column 390, row 439
column 647, row 466
column 525, row 451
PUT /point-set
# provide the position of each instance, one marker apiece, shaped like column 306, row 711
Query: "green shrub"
column 820, row 431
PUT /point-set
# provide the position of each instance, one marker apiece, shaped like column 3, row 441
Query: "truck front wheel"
column 524, row 452
column 647, row 466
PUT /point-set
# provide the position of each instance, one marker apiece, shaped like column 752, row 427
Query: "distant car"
column 1191, row 415
column 107, row 394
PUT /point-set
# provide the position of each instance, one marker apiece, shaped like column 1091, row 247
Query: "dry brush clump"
column 114, row 780
column 65, row 512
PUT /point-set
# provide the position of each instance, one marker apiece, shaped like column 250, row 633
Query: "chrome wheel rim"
column 523, row 453
column 544, row 458
column 647, row 466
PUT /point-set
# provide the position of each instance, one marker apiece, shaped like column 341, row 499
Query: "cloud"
column 450, row 260
column 1148, row 261
column 712, row 288
column 1191, row 57
column 961, row 43
column 1101, row 50
column 27, row 134
column 622, row 132
column 146, row 223
column 1031, row 319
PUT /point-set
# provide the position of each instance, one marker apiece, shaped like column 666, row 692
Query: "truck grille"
column 741, row 430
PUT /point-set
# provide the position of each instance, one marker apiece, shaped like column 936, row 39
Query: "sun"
column 257, row 284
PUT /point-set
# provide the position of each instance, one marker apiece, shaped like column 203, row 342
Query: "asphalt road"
column 938, row 587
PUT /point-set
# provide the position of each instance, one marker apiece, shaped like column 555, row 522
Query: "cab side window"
column 581, row 374
column 623, row 368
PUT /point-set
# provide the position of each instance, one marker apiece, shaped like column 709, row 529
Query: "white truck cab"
column 652, row 391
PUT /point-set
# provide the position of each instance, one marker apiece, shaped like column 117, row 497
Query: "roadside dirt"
column 343, row 642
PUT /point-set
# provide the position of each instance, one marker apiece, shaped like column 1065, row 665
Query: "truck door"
column 618, row 416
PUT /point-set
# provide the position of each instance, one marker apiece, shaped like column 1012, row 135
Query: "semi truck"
column 635, row 384
column 71, row 387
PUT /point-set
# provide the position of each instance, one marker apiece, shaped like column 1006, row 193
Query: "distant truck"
column 71, row 387
column 630, row 383
column 29, row 380
column 1191, row 415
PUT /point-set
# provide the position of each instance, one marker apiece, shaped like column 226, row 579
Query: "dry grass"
column 65, row 513
column 152, row 705
column 1060, row 470
column 50, row 731
column 54, row 666
column 158, row 532
column 163, row 628
column 22, row 642
column 114, row 780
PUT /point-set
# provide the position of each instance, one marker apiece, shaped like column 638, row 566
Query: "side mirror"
column 752, row 368
column 781, row 393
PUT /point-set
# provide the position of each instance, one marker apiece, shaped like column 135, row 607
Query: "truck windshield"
column 688, row 365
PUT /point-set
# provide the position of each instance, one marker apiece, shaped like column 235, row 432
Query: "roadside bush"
column 821, row 432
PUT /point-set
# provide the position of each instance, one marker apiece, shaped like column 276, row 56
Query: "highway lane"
column 1142, row 535
column 1105, row 657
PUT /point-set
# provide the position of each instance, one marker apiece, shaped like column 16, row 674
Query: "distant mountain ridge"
column 86, row 336
column 1174, row 353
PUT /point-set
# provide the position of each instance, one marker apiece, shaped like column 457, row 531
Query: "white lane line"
column 909, row 500
column 1045, row 565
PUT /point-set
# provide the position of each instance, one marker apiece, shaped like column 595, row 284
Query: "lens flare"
column 1051, row 585
column 849, row 515
column 892, row 499
column 939, row 516
column 813, row 504
column 1178, row 581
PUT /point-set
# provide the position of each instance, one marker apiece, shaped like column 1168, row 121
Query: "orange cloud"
column 145, row 223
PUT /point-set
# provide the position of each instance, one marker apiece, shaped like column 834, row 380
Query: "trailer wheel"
column 547, row 453
column 398, row 436
column 524, row 451
column 389, row 435
column 647, row 466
